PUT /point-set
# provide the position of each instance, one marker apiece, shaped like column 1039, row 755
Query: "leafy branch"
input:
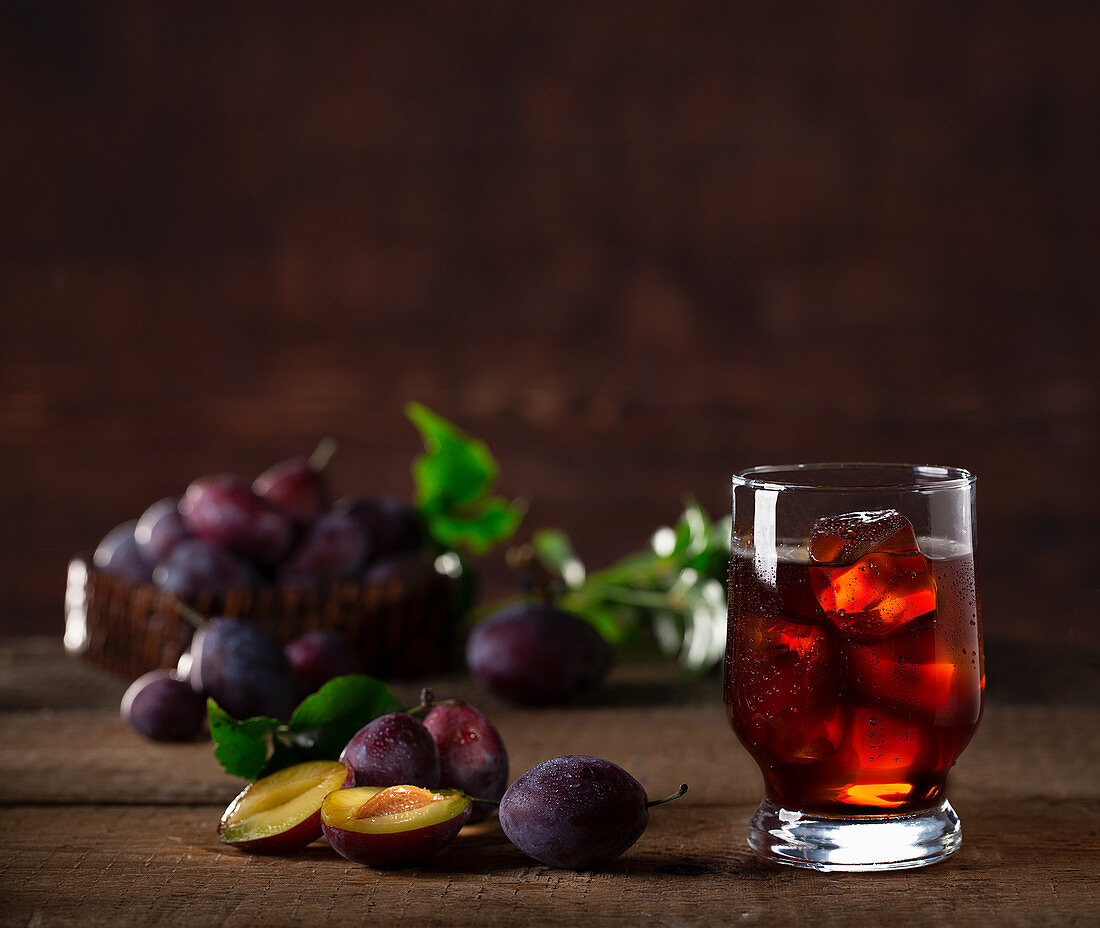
column 674, row 590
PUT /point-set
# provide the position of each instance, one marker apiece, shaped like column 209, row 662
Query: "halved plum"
column 392, row 826
column 281, row 813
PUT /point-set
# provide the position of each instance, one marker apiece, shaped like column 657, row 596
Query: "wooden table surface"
column 100, row 827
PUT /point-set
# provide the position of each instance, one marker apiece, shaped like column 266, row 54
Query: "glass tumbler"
column 854, row 672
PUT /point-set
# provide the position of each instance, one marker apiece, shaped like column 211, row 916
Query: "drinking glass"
column 854, row 672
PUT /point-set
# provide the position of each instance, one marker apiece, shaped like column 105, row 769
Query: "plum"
column 536, row 654
column 193, row 565
column 472, row 757
column 297, row 486
column 241, row 667
column 159, row 529
column 333, row 547
column 161, row 706
column 224, row 510
column 576, row 811
column 118, row 554
column 391, row 525
column 281, row 813
column 407, row 570
column 392, row 826
column 392, row 750
column 318, row 656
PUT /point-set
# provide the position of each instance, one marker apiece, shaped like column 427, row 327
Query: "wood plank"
column 1022, row 864
column 1019, row 753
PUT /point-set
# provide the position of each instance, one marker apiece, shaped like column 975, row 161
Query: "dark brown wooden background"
column 634, row 246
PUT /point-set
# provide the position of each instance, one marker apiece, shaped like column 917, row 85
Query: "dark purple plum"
column 194, row 565
column 391, row 525
column 536, row 654
column 118, row 554
column 472, row 757
column 162, row 707
column 574, row 812
column 295, row 488
column 333, row 547
column 318, row 657
column 242, row 667
column 393, row 750
column 160, row 529
column 223, row 510
column 408, row 570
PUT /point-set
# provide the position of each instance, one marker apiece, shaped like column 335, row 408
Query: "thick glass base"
column 881, row 842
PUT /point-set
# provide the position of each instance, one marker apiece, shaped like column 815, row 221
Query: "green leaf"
column 240, row 746
column 454, row 480
column 455, row 468
column 477, row 526
column 343, row 705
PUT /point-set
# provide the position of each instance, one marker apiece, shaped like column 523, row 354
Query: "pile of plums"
column 244, row 669
column 226, row 533
column 404, row 787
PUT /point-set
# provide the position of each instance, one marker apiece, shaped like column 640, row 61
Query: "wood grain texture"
column 633, row 245
column 1021, row 864
column 99, row 827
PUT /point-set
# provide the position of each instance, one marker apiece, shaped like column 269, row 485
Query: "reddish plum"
column 392, row 750
column 296, row 487
column 223, row 510
column 472, row 757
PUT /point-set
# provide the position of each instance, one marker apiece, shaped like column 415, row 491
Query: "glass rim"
column 922, row 477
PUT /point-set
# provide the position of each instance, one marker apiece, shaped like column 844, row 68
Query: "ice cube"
column 868, row 574
column 916, row 670
column 788, row 689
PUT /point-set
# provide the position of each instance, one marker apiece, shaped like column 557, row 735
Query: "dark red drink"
column 853, row 665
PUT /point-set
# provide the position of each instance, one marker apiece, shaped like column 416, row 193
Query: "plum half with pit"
column 576, row 811
column 241, row 667
column 536, row 654
column 160, row 706
column 281, row 813
column 472, row 757
column 392, row 826
column 394, row 749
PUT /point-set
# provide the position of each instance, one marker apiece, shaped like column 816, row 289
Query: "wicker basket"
column 130, row 628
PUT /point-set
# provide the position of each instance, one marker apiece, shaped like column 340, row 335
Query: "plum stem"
column 487, row 802
column 676, row 795
column 322, row 454
column 191, row 616
column 427, row 701
column 532, row 576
